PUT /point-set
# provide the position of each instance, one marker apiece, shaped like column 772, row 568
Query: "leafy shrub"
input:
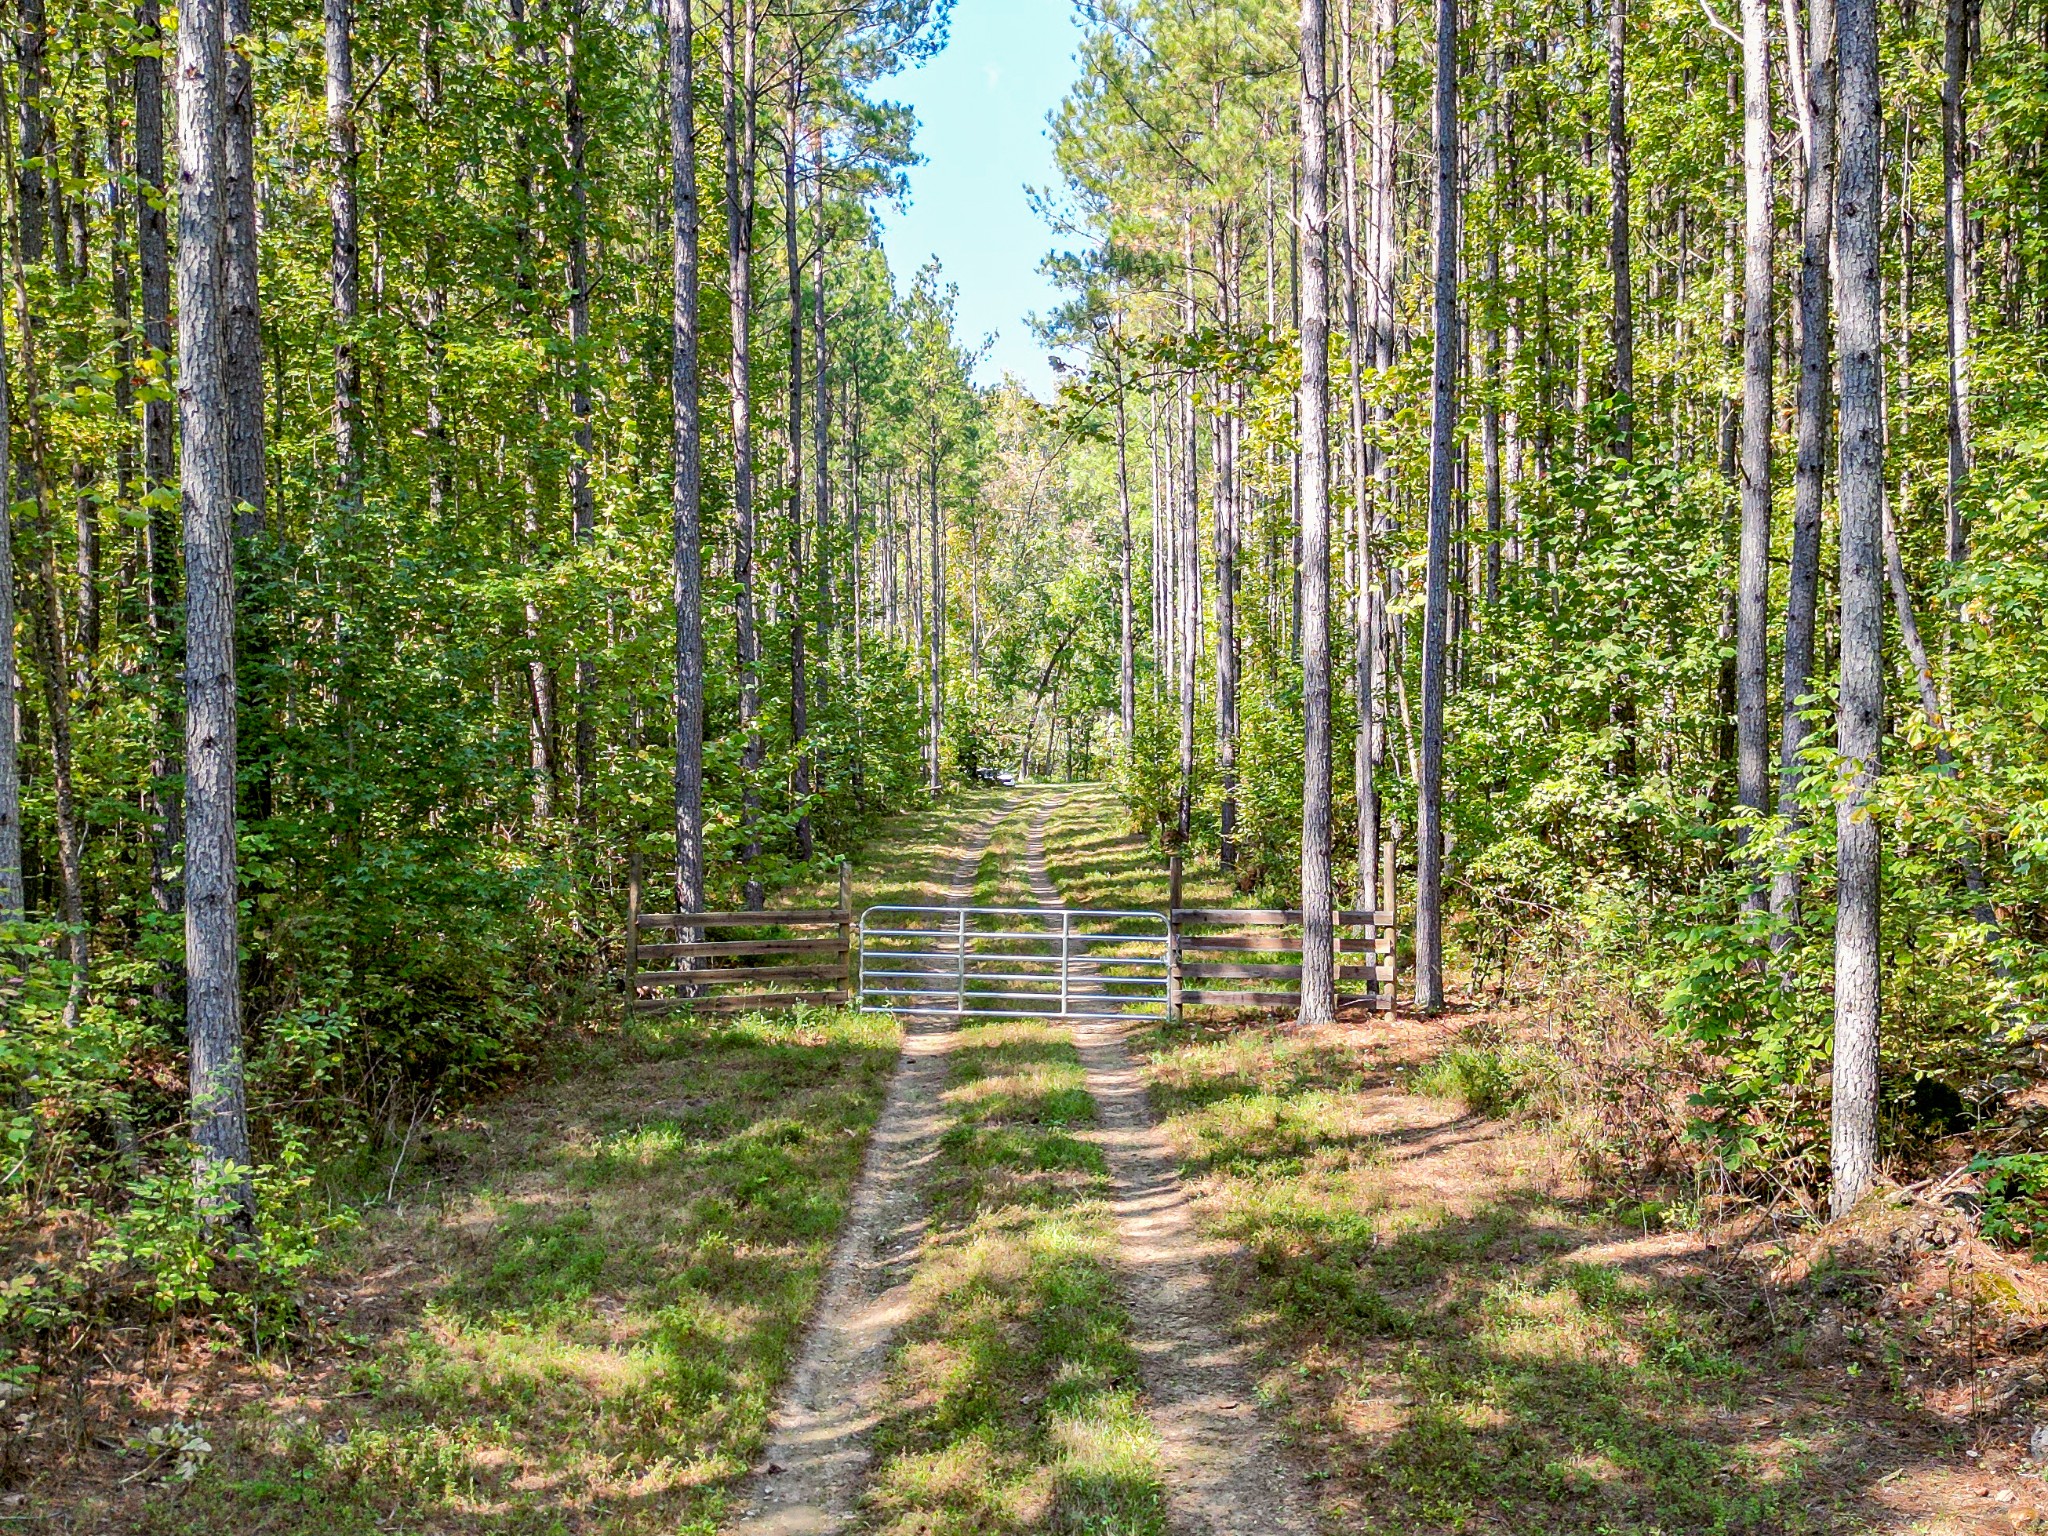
column 2015, row 1198
column 1489, row 1080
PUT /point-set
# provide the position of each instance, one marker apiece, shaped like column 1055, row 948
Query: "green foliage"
column 1489, row 1080
column 2015, row 1198
column 177, row 1232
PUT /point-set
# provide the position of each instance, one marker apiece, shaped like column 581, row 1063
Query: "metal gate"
column 1013, row 962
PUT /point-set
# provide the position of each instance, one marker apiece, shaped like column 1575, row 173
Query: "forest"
column 1573, row 476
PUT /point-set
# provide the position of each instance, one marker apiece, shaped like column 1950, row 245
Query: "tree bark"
column 1127, row 680
column 220, row 1125
column 12, row 897
column 1960, row 22
column 153, row 273
column 739, row 40
column 344, row 272
column 31, row 183
column 244, row 361
column 1860, row 724
column 1429, row 892
column 582, row 495
column 686, row 465
column 1752, row 596
column 1223, row 513
column 1618, row 244
column 937, row 590
column 821, row 430
column 1816, row 378
column 1187, row 549
column 1318, row 904
column 799, row 703
column 45, row 614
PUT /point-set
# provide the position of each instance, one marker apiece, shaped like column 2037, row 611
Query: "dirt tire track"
column 810, row 1477
column 1225, row 1471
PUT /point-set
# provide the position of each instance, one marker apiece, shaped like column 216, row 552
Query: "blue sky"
column 981, row 107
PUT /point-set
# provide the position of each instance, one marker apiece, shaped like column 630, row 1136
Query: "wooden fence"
column 701, row 973
column 1240, row 956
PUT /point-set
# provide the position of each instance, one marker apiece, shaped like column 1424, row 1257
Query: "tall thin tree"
column 11, row 893
column 1860, row 723
column 1318, row 902
column 345, row 266
column 220, row 1121
column 1429, row 818
column 1814, row 406
column 740, row 41
column 243, row 295
column 582, row 493
column 1753, row 573
column 1959, row 23
column 1618, row 243
column 799, row 700
column 686, row 449
column 153, row 274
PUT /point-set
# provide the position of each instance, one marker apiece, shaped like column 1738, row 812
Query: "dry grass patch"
column 571, row 1318
column 1474, row 1327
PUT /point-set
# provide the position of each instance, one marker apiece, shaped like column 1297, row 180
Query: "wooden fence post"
column 632, row 920
column 1393, row 917
column 1173, row 882
column 846, row 929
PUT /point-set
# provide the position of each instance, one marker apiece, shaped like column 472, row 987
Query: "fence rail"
column 1243, row 950
column 713, row 968
column 1012, row 962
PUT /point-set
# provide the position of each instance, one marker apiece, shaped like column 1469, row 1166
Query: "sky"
column 981, row 107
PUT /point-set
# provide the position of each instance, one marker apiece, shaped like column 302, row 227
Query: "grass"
column 1014, row 1387
column 1487, row 1080
column 909, row 861
column 1462, row 1337
column 575, row 1312
column 589, row 1296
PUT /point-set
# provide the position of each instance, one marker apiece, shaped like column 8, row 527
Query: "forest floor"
column 570, row 1315
column 1227, row 1277
column 1465, row 1330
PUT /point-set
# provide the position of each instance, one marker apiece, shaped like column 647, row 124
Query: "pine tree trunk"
column 153, row 274
column 582, row 495
column 345, row 268
column 1187, row 551
column 1752, row 599
column 1318, row 896
column 821, row 428
column 799, row 703
column 1816, row 379
column 937, row 535
column 45, row 615
column 12, row 898
column 244, row 362
column 1364, row 502
column 1618, row 244
column 740, row 37
column 1955, row 206
column 220, row 1124
column 1223, row 511
column 686, row 466
column 1860, row 725
column 1127, row 680
column 1429, row 891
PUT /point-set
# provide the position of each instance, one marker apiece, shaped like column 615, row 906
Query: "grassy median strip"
column 1015, row 1387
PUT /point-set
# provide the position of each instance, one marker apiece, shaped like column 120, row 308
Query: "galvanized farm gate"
column 1014, row 962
